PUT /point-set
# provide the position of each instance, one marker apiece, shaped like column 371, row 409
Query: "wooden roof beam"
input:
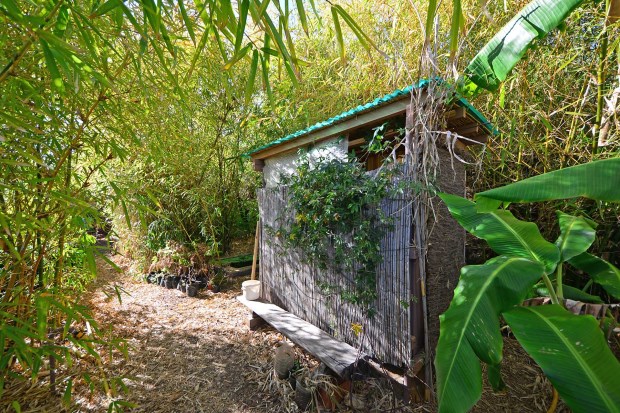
column 376, row 115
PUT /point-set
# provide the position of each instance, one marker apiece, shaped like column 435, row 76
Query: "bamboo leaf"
column 263, row 8
column 469, row 329
column 363, row 38
column 302, row 15
column 602, row 272
column 12, row 10
column 106, row 7
column 126, row 214
column 201, row 46
column 244, row 6
column 505, row 234
column 339, row 38
column 265, row 72
column 52, row 67
column 431, row 12
column 573, row 353
column 249, row 86
column 288, row 61
column 596, row 180
column 457, row 18
column 62, row 21
column 576, row 236
column 237, row 57
column 497, row 58
column 189, row 25
column 133, row 20
column 66, row 397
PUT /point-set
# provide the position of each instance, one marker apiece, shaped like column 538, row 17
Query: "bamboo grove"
column 133, row 116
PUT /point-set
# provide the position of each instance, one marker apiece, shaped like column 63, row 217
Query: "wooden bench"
column 337, row 355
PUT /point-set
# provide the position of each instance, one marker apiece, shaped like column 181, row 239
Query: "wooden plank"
column 376, row 115
column 357, row 142
column 468, row 130
column 337, row 355
column 259, row 165
column 456, row 113
column 255, row 256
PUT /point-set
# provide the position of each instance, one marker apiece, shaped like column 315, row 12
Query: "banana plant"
column 570, row 349
column 497, row 58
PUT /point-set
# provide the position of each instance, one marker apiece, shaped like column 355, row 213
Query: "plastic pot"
column 303, row 396
column 192, row 290
column 169, row 284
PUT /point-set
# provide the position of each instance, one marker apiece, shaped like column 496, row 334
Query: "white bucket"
column 251, row 289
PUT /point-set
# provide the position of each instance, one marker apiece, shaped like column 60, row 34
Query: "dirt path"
column 185, row 354
column 197, row 355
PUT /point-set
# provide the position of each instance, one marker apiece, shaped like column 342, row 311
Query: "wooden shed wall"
column 287, row 281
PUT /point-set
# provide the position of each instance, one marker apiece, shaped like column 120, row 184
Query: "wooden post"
column 256, row 239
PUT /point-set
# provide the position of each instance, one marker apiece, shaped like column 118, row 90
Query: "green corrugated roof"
column 371, row 105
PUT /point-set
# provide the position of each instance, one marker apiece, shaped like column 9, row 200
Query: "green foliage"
column 338, row 221
column 596, row 180
column 470, row 327
column 570, row 349
column 572, row 352
column 496, row 59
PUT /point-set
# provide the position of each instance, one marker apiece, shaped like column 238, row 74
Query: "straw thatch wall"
column 289, row 282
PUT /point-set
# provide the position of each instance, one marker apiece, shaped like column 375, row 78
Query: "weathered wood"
column 337, row 355
column 254, row 321
column 255, row 256
column 357, row 142
column 466, row 130
column 457, row 113
column 259, row 165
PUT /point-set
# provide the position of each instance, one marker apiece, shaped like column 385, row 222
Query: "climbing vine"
column 338, row 222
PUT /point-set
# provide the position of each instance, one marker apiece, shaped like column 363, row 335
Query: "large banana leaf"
column 577, row 235
column 603, row 273
column 470, row 327
column 599, row 180
column 572, row 352
column 504, row 233
column 497, row 58
column 572, row 293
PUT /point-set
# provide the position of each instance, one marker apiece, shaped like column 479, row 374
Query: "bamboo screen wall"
column 287, row 281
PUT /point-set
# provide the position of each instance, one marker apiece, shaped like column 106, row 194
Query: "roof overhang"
column 461, row 118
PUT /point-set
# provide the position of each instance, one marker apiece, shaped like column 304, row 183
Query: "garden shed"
column 396, row 335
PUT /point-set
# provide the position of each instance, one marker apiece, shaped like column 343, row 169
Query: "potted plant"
column 218, row 281
column 303, row 392
column 193, row 285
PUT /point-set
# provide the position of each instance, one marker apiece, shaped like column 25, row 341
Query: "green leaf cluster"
column 570, row 349
column 338, row 221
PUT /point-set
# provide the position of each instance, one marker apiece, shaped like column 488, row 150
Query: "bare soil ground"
column 197, row 355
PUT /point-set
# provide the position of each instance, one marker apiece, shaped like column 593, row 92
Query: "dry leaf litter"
column 197, row 355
